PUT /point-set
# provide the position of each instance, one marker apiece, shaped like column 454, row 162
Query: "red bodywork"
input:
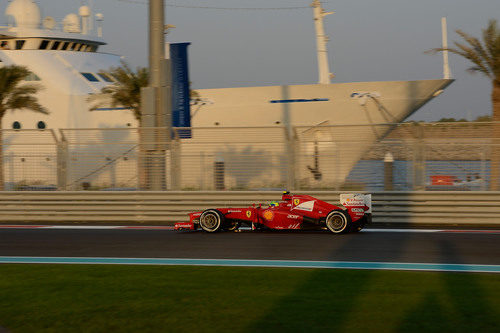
column 292, row 212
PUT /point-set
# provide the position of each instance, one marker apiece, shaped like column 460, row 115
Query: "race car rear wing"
column 357, row 200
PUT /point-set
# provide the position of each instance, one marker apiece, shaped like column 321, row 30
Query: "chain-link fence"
column 413, row 156
column 29, row 160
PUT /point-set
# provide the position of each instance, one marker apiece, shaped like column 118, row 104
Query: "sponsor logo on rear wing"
column 357, row 200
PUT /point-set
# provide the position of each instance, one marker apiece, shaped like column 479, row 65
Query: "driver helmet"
column 286, row 196
column 274, row 204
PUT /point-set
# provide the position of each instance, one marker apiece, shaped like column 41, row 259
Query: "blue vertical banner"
column 181, row 108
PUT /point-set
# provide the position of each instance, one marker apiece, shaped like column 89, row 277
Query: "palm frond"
column 98, row 101
column 25, row 102
column 474, row 57
column 485, row 54
column 16, row 95
column 491, row 37
column 477, row 48
column 126, row 91
column 27, row 89
column 11, row 77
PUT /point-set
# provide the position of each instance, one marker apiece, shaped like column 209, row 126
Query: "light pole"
column 156, row 110
column 158, row 66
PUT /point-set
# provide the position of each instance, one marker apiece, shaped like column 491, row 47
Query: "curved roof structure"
column 24, row 14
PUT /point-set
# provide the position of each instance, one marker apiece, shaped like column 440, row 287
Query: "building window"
column 41, row 125
column 19, row 44
column 105, row 77
column 55, row 45
column 43, row 45
column 16, row 125
column 90, row 77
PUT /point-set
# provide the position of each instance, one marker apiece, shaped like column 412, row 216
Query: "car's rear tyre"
column 337, row 221
column 211, row 220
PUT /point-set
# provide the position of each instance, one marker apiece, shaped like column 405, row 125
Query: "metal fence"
column 398, row 157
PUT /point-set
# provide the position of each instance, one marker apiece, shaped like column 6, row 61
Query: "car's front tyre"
column 337, row 221
column 211, row 220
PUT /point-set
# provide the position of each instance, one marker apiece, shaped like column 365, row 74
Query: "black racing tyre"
column 211, row 220
column 338, row 222
column 232, row 226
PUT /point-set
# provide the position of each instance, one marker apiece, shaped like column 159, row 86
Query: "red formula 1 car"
column 293, row 212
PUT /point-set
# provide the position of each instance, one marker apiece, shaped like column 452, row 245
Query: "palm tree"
column 126, row 91
column 15, row 95
column 485, row 57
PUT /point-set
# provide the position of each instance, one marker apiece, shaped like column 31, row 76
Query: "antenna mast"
column 91, row 21
column 321, row 40
column 446, row 66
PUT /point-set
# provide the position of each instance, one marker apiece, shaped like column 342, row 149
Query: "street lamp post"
column 156, row 110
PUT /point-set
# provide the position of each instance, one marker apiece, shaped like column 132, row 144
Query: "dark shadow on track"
column 464, row 303
column 437, row 301
column 332, row 318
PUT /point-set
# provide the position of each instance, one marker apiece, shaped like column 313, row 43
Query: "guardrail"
column 99, row 207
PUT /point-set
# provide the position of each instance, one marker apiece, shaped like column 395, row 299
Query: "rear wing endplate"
column 357, row 200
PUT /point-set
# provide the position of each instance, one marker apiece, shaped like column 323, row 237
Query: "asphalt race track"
column 482, row 248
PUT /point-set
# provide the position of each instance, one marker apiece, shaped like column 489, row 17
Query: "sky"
column 370, row 40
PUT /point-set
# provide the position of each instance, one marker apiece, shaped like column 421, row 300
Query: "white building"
column 65, row 59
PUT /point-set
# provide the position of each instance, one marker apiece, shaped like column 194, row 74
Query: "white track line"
column 402, row 230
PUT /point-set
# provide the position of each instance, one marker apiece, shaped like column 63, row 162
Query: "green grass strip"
column 97, row 298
